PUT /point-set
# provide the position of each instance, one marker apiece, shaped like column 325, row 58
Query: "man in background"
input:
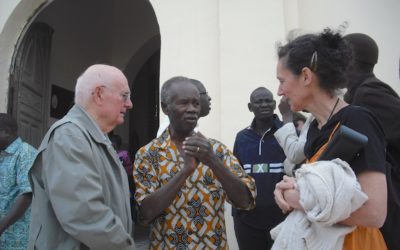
column 365, row 90
column 262, row 158
column 16, row 159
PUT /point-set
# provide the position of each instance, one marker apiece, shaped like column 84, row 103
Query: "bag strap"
column 315, row 157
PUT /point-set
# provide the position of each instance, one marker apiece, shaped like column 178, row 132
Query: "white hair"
column 94, row 76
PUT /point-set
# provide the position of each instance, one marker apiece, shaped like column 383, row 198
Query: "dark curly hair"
column 327, row 54
column 8, row 124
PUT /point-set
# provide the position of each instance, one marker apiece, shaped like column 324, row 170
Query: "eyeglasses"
column 125, row 95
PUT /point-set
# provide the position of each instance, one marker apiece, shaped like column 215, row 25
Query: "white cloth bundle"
column 329, row 193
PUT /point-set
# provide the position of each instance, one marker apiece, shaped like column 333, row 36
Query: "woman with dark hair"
column 311, row 69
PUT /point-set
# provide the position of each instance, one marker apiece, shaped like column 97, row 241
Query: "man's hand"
column 284, row 108
column 17, row 210
column 199, row 147
column 190, row 162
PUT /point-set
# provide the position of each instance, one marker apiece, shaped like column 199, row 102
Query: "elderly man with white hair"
column 80, row 189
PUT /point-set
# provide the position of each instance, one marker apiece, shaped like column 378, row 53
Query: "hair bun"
column 332, row 38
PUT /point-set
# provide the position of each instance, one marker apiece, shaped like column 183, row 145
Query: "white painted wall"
column 248, row 36
column 6, row 6
column 190, row 36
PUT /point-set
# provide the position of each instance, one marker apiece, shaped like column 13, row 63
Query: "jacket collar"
column 82, row 118
column 78, row 115
column 275, row 124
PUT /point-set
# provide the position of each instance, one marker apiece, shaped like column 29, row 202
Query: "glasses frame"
column 124, row 95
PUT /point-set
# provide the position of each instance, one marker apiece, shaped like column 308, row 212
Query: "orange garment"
column 364, row 238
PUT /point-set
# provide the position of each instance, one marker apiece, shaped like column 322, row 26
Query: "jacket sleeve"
column 371, row 96
column 292, row 145
column 75, row 190
column 144, row 175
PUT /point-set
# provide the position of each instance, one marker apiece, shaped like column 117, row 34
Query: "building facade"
column 229, row 45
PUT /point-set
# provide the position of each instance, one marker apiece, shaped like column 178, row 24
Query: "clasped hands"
column 286, row 195
column 197, row 147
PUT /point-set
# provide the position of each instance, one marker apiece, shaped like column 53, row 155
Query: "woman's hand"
column 288, row 183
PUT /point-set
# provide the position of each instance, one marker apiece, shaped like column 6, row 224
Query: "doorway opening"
column 62, row 39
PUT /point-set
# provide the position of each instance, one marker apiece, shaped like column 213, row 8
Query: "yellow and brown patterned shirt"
column 195, row 219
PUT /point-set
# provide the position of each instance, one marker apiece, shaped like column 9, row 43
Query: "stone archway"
column 14, row 28
column 100, row 31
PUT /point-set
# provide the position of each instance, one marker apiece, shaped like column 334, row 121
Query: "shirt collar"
column 13, row 147
column 275, row 123
column 164, row 140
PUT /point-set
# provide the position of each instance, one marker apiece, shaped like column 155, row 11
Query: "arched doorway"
column 144, row 70
column 85, row 33
column 28, row 83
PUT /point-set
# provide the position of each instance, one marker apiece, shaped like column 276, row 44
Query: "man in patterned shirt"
column 16, row 159
column 182, row 178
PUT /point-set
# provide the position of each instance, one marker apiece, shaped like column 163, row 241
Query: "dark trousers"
column 250, row 238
